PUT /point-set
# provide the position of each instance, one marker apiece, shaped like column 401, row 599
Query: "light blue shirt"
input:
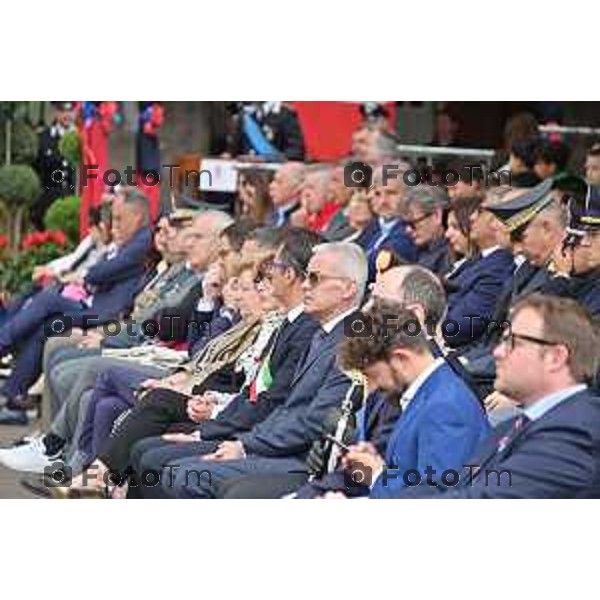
column 541, row 407
column 385, row 230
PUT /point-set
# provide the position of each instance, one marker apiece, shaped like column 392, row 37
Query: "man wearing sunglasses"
column 335, row 283
column 551, row 449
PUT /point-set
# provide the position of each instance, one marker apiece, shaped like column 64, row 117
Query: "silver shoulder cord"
column 358, row 379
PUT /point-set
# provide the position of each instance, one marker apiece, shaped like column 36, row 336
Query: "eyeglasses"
column 509, row 338
column 314, row 278
column 412, row 223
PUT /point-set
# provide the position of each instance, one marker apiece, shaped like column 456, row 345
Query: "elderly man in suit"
column 552, row 448
column 335, row 283
column 108, row 290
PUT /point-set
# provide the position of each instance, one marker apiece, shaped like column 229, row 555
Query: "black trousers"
column 150, row 455
column 158, row 412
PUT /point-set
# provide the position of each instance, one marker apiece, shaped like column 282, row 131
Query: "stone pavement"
column 9, row 480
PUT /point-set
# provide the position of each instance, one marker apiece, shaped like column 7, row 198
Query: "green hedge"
column 63, row 215
column 19, row 184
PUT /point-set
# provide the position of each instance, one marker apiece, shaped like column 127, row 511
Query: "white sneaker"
column 30, row 457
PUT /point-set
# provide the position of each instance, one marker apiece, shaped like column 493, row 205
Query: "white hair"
column 351, row 263
column 321, row 173
column 219, row 220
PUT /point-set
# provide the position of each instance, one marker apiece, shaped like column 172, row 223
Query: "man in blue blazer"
column 111, row 285
column 552, row 448
column 442, row 420
column 388, row 229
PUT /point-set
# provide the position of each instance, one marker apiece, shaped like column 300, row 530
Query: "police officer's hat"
column 181, row 217
column 521, row 210
column 571, row 187
column 584, row 215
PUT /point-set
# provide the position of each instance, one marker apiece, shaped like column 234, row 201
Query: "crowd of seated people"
column 254, row 356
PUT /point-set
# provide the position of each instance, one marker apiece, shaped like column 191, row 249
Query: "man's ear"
column 418, row 311
column 352, row 290
column 399, row 356
column 559, row 357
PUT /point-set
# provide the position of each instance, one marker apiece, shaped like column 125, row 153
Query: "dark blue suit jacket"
column 114, row 282
column 241, row 415
column 584, row 288
column 440, row 428
column 317, row 386
column 397, row 241
column 555, row 456
column 475, row 291
column 526, row 280
column 435, row 256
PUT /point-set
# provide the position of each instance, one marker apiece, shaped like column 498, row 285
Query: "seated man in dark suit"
column 335, row 284
column 388, row 229
column 551, row 449
column 107, row 291
column 425, row 225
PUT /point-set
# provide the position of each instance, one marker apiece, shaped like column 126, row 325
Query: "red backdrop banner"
column 328, row 126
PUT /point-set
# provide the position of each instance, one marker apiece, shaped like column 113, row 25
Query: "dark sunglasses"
column 314, row 279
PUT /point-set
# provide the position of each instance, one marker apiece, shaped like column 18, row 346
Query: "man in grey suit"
column 334, row 287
